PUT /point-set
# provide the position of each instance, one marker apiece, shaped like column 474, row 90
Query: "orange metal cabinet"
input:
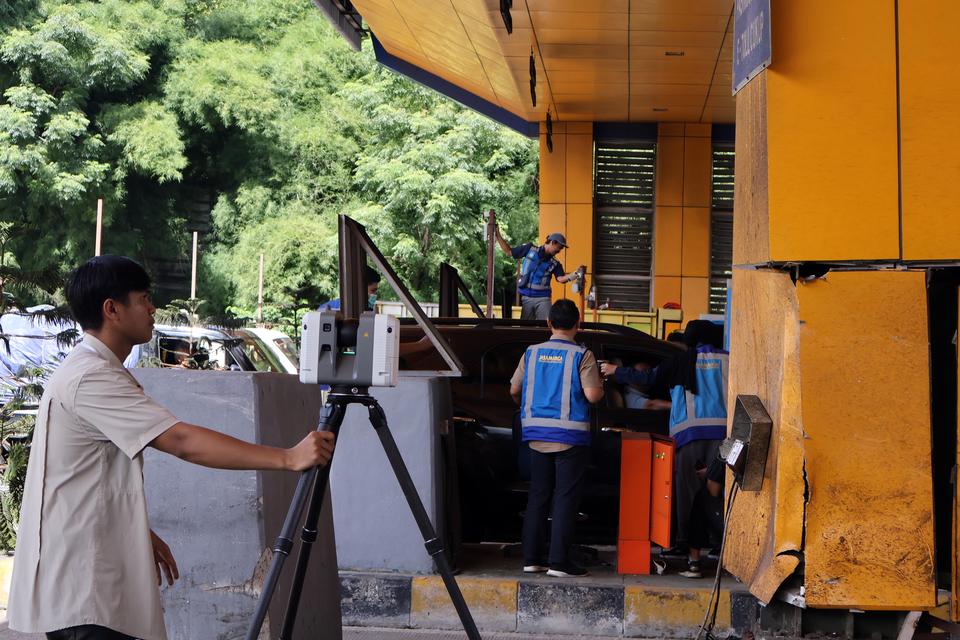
column 646, row 469
column 661, row 492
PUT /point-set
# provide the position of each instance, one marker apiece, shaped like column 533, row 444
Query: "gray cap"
column 558, row 237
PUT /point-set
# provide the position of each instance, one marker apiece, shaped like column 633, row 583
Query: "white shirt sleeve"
column 114, row 407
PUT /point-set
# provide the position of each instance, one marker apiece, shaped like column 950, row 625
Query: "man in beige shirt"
column 555, row 383
column 88, row 566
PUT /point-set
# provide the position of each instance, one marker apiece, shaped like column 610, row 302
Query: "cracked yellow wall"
column 865, row 374
column 765, row 531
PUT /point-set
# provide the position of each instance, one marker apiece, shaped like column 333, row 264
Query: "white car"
column 281, row 346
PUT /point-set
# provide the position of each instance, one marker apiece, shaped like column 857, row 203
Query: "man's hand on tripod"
column 316, row 449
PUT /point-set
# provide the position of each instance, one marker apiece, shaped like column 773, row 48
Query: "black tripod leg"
column 330, row 418
column 431, row 541
column 308, row 536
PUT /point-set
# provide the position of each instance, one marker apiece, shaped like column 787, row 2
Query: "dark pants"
column 705, row 526
column 88, row 632
column 686, row 482
column 557, row 479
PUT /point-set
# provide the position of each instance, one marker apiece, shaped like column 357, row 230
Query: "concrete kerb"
column 537, row 605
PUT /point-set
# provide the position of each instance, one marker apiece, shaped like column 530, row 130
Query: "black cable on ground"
column 710, row 616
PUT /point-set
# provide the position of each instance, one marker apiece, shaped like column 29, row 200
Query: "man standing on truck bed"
column 539, row 265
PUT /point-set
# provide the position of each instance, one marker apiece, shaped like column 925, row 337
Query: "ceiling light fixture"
column 660, row 109
column 674, row 53
column 533, row 79
column 505, row 6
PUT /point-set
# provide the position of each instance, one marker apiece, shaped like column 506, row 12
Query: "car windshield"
column 257, row 355
column 288, row 347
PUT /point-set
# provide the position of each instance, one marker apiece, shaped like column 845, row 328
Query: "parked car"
column 492, row 464
column 259, row 352
column 281, row 346
column 197, row 348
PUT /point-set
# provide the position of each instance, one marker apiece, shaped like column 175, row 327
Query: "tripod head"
column 350, row 353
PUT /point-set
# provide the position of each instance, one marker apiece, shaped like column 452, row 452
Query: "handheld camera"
column 359, row 353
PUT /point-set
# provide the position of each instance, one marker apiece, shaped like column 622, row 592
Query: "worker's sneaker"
column 566, row 570
column 693, row 571
column 535, row 568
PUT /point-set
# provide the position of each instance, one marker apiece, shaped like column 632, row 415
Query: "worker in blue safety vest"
column 697, row 380
column 538, row 267
column 555, row 384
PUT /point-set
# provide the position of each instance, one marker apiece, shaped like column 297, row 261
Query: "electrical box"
column 745, row 451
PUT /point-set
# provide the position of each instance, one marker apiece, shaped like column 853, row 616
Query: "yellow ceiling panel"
column 597, row 76
column 651, row 101
column 677, row 22
column 673, row 39
column 601, row 59
column 670, row 53
column 678, row 114
column 665, row 77
column 652, row 89
column 674, row 65
column 582, row 36
column 604, row 91
column 586, row 64
column 689, row 7
column 475, row 10
column 594, row 6
column 578, row 51
column 578, row 20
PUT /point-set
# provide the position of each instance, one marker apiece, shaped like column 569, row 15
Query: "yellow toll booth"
column 844, row 238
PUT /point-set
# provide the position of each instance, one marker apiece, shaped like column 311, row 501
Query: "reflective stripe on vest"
column 702, row 416
column 553, row 406
column 534, row 272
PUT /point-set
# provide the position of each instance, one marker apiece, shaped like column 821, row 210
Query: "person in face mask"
column 373, row 284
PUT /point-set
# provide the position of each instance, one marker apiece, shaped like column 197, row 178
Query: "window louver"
column 721, row 226
column 623, row 234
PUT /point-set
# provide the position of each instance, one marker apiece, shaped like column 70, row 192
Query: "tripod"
column 331, row 417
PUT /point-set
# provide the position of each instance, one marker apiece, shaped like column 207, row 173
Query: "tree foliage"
column 259, row 105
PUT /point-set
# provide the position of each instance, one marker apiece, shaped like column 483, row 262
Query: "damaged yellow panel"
column 765, row 531
column 866, row 417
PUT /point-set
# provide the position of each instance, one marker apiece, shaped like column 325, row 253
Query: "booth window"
column 721, row 225
column 623, row 222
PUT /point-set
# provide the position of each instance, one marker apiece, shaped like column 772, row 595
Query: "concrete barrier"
column 221, row 524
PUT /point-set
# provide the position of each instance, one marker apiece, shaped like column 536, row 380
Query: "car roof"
column 617, row 333
column 185, row 331
column 269, row 334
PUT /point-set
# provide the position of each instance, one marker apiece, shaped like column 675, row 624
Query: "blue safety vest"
column 553, row 407
column 535, row 274
column 702, row 416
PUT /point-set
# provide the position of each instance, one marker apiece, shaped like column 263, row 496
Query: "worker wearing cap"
column 538, row 266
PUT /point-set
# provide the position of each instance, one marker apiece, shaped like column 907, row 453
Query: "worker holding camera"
column 88, row 564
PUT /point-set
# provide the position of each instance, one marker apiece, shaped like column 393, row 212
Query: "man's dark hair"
column 370, row 274
column 100, row 279
column 564, row 314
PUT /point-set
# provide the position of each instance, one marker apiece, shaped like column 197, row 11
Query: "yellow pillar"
column 682, row 217
column 566, row 194
column 823, row 142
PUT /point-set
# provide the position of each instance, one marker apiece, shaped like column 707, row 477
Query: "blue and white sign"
column 751, row 40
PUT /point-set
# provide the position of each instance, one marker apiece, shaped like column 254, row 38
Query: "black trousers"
column 556, row 479
column 87, row 632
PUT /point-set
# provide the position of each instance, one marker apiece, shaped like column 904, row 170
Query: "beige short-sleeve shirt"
column 84, row 554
